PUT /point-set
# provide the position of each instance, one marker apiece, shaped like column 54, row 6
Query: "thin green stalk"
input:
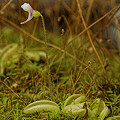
column 47, row 60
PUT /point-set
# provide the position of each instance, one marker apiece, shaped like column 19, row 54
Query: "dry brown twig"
column 6, row 5
column 90, row 26
column 12, row 90
column 90, row 39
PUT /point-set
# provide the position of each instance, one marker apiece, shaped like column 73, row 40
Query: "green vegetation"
column 52, row 68
column 25, row 79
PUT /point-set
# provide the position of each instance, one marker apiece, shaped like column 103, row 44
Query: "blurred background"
column 63, row 15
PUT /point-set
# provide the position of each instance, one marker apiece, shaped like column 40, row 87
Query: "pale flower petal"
column 26, row 7
column 29, row 9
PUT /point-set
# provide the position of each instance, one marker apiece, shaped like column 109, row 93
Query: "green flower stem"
column 38, row 14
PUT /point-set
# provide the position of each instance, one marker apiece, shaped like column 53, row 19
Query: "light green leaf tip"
column 71, row 98
column 80, row 99
column 104, row 113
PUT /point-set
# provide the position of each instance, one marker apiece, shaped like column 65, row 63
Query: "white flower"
column 29, row 9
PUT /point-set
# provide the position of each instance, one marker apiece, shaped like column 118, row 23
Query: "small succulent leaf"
column 71, row 98
column 91, row 113
column 113, row 118
column 97, row 106
column 75, row 109
column 42, row 105
column 104, row 113
column 80, row 99
column 40, row 108
column 95, row 103
column 7, row 52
